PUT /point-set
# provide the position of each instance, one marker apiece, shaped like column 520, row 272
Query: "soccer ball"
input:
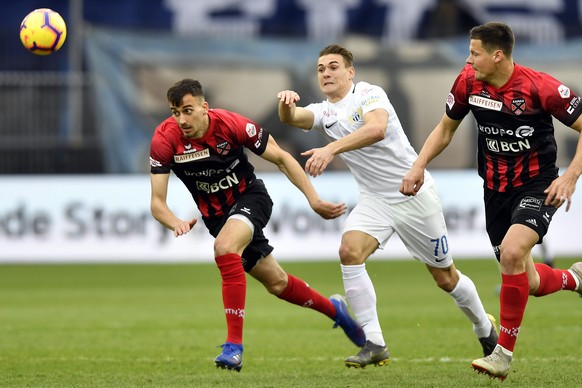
column 43, row 31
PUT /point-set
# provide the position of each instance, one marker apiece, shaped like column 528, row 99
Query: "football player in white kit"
column 363, row 129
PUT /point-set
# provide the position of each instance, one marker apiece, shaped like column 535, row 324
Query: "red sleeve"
column 559, row 100
column 161, row 152
column 249, row 134
column 457, row 105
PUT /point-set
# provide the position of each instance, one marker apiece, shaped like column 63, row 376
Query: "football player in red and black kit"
column 205, row 149
column 513, row 106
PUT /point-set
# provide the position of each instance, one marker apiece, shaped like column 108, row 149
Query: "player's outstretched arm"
column 292, row 169
column 435, row 143
column 373, row 131
column 290, row 113
column 562, row 188
column 159, row 206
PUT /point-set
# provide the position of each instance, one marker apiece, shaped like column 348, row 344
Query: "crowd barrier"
column 91, row 218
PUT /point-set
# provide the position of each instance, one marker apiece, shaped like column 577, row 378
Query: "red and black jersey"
column 516, row 134
column 215, row 168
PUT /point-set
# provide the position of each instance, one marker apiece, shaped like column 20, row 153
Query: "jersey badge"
column 223, row 148
column 356, row 117
column 518, row 106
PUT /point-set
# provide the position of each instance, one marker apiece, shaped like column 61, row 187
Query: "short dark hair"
column 494, row 36
column 337, row 49
column 186, row 86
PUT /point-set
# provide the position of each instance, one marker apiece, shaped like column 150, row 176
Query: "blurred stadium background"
column 74, row 187
column 91, row 108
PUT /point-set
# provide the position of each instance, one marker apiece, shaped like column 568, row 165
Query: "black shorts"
column 523, row 205
column 256, row 205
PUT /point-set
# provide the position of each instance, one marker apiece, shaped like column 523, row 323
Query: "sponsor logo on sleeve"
column 251, row 129
column 154, row 163
column 450, row 100
column 259, row 139
column 564, row 91
column 573, row 105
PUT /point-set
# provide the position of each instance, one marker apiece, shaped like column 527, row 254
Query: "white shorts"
column 418, row 221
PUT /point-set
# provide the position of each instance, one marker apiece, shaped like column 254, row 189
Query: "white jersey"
column 378, row 168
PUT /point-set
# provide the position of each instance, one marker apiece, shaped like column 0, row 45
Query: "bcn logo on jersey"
column 225, row 183
column 507, row 146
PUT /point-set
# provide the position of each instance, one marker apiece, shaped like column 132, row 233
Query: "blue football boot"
column 344, row 320
column 230, row 358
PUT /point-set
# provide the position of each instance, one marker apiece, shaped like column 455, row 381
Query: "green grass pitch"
column 159, row 326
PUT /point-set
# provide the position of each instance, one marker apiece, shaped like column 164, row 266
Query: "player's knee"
column 349, row 256
column 223, row 247
column 511, row 257
column 446, row 278
column 533, row 283
column 276, row 284
column 446, row 283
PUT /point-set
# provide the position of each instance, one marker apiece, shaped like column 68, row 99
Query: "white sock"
column 361, row 296
column 505, row 351
column 466, row 297
column 575, row 279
